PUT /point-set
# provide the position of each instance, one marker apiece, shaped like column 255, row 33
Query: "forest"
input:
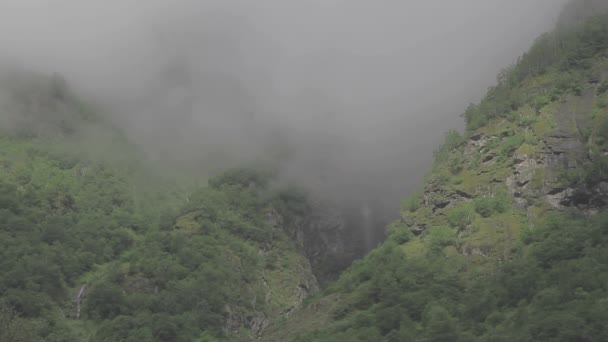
column 505, row 240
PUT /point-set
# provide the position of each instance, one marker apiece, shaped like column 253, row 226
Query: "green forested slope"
column 507, row 241
column 223, row 268
column 96, row 245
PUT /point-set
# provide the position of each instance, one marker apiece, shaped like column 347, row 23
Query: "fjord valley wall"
column 99, row 243
column 507, row 238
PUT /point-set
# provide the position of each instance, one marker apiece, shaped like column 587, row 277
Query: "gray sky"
column 352, row 96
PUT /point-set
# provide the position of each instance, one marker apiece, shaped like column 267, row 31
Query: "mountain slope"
column 96, row 245
column 70, row 200
column 507, row 241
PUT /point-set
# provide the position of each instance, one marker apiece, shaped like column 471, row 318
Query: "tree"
column 439, row 324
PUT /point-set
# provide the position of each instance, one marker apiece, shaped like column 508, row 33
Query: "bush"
column 456, row 163
column 440, row 237
column 460, row 217
column 511, row 144
column 487, row 206
column 452, row 141
column 569, row 177
column 484, row 206
column 413, row 203
column 399, row 232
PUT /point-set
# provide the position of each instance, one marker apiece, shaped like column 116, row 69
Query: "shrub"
column 460, row 217
column 399, row 232
column 413, row 203
column 440, row 237
column 487, row 206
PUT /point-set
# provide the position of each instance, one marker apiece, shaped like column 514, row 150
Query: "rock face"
column 562, row 153
column 286, row 294
column 327, row 239
column 326, row 243
column 277, row 291
column 541, row 162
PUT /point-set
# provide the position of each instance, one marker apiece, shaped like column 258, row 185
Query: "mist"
column 348, row 98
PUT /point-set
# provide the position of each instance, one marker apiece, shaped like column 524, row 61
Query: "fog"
column 346, row 97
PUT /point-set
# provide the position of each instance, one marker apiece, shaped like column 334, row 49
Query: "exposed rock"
column 468, row 251
column 327, row 239
column 476, row 136
column 463, row 195
column 565, row 145
column 257, row 318
column 525, row 167
column 441, row 205
column 488, row 158
column 563, row 150
column 437, row 198
column 277, row 292
column 418, row 229
column 558, row 199
column 274, row 219
column 475, row 145
column 255, row 321
column 588, row 199
column 560, row 143
column 233, row 322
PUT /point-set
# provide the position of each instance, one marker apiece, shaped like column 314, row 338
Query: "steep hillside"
column 97, row 245
column 507, row 241
column 65, row 207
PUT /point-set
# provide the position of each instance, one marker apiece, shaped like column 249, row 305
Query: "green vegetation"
column 488, row 206
column 158, row 263
column 556, row 64
column 185, row 275
column 159, row 266
column 460, row 217
column 453, row 140
column 482, row 262
column 413, row 203
column 479, row 254
column 392, row 297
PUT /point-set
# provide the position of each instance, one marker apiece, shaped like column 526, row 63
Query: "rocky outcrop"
column 436, row 197
column 589, row 200
column 475, row 145
column 518, row 183
column 562, row 152
column 255, row 322
column 327, row 238
column 280, row 299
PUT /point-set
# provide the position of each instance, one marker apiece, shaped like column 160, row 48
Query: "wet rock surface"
column 329, row 240
column 563, row 151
